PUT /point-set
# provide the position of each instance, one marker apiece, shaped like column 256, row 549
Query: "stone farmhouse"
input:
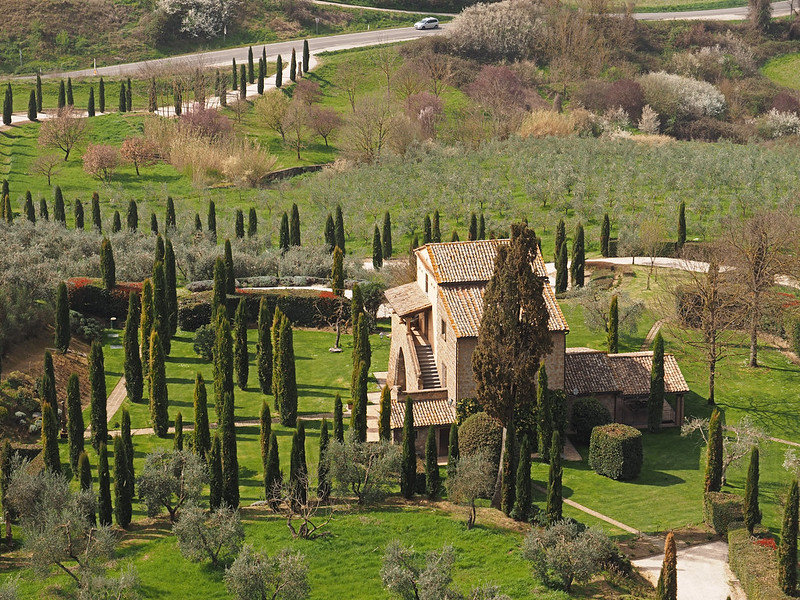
column 435, row 325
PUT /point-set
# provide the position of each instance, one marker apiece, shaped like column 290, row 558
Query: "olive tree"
column 216, row 536
column 171, row 480
column 473, row 477
column 254, row 574
column 364, row 469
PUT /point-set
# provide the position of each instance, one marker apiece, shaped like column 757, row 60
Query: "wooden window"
column 444, row 330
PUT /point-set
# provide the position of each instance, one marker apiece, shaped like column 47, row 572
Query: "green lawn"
column 784, row 70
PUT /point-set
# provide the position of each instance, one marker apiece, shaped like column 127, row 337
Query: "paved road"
column 738, row 13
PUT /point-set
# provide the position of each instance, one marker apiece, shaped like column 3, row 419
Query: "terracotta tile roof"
column 407, row 299
column 426, row 413
column 463, row 262
column 464, row 307
column 632, row 372
column 593, row 372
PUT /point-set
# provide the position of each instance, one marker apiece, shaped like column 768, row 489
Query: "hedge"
column 478, row 433
column 615, row 451
column 755, row 563
column 88, row 297
column 588, row 413
column 720, row 509
column 304, row 308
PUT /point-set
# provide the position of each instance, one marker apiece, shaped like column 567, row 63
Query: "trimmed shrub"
column 588, row 413
column 615, row 451
column 720, row 509
column 87, row 296
column 480, row 432
column 754, row 563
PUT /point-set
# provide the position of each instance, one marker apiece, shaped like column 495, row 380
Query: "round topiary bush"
column 616, row 451
column 588, row 413
column 480, row 432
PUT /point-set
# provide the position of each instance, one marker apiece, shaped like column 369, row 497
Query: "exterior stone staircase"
column 427, row 366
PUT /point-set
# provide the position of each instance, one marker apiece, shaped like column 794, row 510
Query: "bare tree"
column 272, row 108
column 596, row 303
column 736, row 444
column 408, row 81
column 436, row 68
column 294, row 123
column 62, row 131
column 335, row 320
column 140, row 151
column 307, row 91
column 48, row 165
column 324, row 121
column 387, row 60
column 759, row 248
column 350, row 77
column 101, row 160
column 306, row 507
column 368, row 128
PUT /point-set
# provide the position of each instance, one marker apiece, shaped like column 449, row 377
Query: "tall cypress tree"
column 62, row 95
column 408, row 466
column 337, row 272
column 49, row 384
column 212, row 219
column 134, row 377
column 287, row 389
column 146, row 325
column 235, row 77
column 177, row 440
column 613, row 325
column 681, row 225
column 433, row 482
column 377, row 250
column 277, row 320
column 43, row 212
column 283, row 235
column 306, row 56
column 323, row 473
column 294, row 227
column 384, row 421
column 298, row 468
column 241, row 356
column 59, row 213
column 713, row 477
column 554, row 499
column 242, row 82
column 52, row 462
column 127, row 439
column 128, row 97
column 272, row 474
column 561, row 237
column 38, row 92
column 239, row 224
column 544, row 413
column 132, row 216
column 752, row 512
column 171, row 281
column 170, row 222
column 453, row 452
column 90, row 110
column 251, row 71
column 436, row 234
column 787, row 551
column 97, row 221
column 358, row 418
column 70, row 95
column 105, row 513
column 63, row 335
column 159, row 398
column 576, row 268
column 509, row 483
column 102, row 96
column 202, row 435
column 279, row 72
column 219, row 294
column 9, row 212
column 387, row 236
column 107, row 267
column 265, row 429
column 667, row 587
column 605, row 236
column 523, row 496
column 32, row 112
column 97, row 381
column 252, row 222
column 223, row 387
column 293, row 66
column 655, row 403
column 123, row 102
column 261, row 74
column 75, row 426
column 473, row 227
column 28, row 210
column 562, row 278
column 154, row 223
column 198, row 224
column 215, row 474
column 152, row 95
column 338, row 419
column 8, row 108
column 160, row 316
column 339, row 228
column 230, row 273
column 264, row 347
column 123, row 485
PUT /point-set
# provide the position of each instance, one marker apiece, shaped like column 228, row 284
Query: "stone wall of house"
column 421, row 439
column 408, row 380
column 554, row 362
column 445, row 346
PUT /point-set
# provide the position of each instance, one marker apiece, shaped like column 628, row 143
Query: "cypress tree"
column 97, row 381
column 215, row 474
column 239, row 226
column 177, row 98
column 294, row 227
column 454, row 237
column 293, row 66
column 272, row 474
column 102, row 96
column 235, row 77
column 8, row 108
column 62, row 95
column 387, row 236
column 219, row 294
column 713, row 477
column 74, row 421
column 358, row 418
column 261, row 74
column 223, row 387
column 426, row 230
column 97, row 222
column 52, row 462
column 38, row 93
column 787, row 551
column 49, row 384
column 59, row 213
column 171, row 279
column 132, row 216
column 153, row 223
column 436, row 234
column 170, row 222
column 129, row 97
column 242, row 83
column 408, row 466
column 752, row 512
column 252, row 222
column 105, row 513
column 159, row 399
column 265, row 428
column 377, row 250
column 655, row 404
column 202, row 435
column 79, row 221
column 306, row 56
column 287, row 388
column 605, row 236
column 561, row 237
column 323, row 473
column 177, row 440
column 613, row 325
column 509, row 481
column 339, row 228
column 241, row 356
column 223, row 363
column 160, row 317
column 152, row 95
column 338, row 419
column 90, row 106
column 198, row 224
column 279, row 72
column 453, row 453
column 473, row 227
column 251, row 72
column 277, row 320
column 63, row 335
column 523, row 495
column 544, row 421
column 561, row 269
column 146, row 325
column 554, row 499
column 681, row 225
column 230, row 273
column 298, row 469
column 123, row 485
column 264, row 58
column 123, row 102
column 212, row 219
column 127, row 440
column 32, row 112
column 578, row 258
column 8, row 210
column 6, row 458
column 70, row 96
column 667, row 587
column 337, row 272
column 384, row 421
column 433, row 482
column 264, row 347
column 85, row 478
column 43, row 212
column 283, row 239
column 107, row 267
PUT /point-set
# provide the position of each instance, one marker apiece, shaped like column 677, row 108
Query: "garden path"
column 647, row 344
column 703, row 573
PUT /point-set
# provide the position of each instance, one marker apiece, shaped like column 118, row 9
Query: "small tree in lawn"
column 255, row 575
column 433, row 482
column 75, row 426
column 655, row 403
column 358, row 419
column 452, row 450
column 667, row 587
column 32, row 112
column 202, row 435
column 339, row 228
column 385, row 418
column 230, row 272
column 39, row 92
column 264, row 347
column 123, row 485
column 170, row 480
column 63, row 335
column 294, row 226
column 171, row 281
column 613, row 325
column 306, row 56
column 252, row 222
column 408, row 468
column 177, row 439
column 212, row 219
column 714, row 451
column 298, row 468
column 127, row 440
column 134, row 379
column 523, row 496
column 473, row 477
column 272, row 473
column 265, row 428
column 338, row 419
column 554, row 487
column 387, row 236
column 105, row 513
column 107, row 267
column 132, row 216
column 323, row 472
column 239, row 224
column 159, row 399
column 241, row 356
column 337, row 272
column 97, row 222
column 242, row 83
column 605, row 236
column 251, row 71
column 102, row 96
column 787, row 551
column 97, row 380
column 216, row 537
column 235, row 77
column 215, row 474
column 752, row 512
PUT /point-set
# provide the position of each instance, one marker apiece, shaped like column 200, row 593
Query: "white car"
column 427, row 23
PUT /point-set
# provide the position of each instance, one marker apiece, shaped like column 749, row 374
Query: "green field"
column 784, row 70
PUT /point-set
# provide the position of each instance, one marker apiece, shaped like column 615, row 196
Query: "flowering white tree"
column 683, row 96
column 200, row 18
